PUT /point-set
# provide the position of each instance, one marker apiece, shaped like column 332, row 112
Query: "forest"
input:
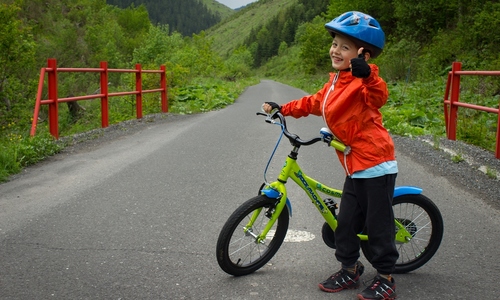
column 265, row 41
column 423, row 38
column 183, row 16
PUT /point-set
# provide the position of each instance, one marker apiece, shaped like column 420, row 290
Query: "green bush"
column 314, row 44
column 397, row 61
column 238, row 65
column 18, row 151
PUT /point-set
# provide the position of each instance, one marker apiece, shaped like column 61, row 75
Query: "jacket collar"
column 344, row 76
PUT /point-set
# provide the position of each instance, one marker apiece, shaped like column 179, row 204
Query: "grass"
column 18, row 151
column 491, row 173
column 457, row 158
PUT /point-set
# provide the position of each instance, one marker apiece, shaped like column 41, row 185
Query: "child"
column 349, row 103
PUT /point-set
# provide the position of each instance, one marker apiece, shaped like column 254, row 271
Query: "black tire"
column 238, row 253
column 423, row 220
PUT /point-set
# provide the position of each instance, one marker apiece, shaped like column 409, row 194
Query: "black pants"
column 367, row 202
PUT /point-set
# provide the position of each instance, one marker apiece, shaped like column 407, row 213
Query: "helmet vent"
column 373, row 24
column 343, row 17
column 355, row 19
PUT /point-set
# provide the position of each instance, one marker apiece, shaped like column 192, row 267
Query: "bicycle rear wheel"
column 424, row 222
column 238, row 251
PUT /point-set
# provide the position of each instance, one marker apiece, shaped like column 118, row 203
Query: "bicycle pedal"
column 331, row 204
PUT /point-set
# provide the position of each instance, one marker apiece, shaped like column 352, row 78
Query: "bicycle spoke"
column 244, row 248
column 417, row 222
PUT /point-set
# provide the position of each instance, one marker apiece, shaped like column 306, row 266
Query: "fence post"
column 104, row 98
column 138, row 88
column 163, row 83
column 455, row 91
column 54, row 105
column 497, row 149
column 445, row 104
column 38, row 102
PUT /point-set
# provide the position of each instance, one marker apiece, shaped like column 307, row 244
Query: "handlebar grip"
column 341, row 147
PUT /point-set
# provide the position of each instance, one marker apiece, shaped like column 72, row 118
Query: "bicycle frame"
column 291, row 169
column 311, row 187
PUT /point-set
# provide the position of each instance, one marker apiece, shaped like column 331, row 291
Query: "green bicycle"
column 255, row 230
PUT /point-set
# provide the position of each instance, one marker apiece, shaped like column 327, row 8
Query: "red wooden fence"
column 452, row 103
column 53, row 102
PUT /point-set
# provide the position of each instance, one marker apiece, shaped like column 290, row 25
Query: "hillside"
column 233, row 31
column 184, row 16
column 218, row 8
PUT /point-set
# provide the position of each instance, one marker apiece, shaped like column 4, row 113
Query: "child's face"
column 342, row 51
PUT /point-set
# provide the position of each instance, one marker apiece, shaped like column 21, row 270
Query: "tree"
column 314, row 44
column 422, row 19
column 135, row 24
column 185, row 16
column 17, row 58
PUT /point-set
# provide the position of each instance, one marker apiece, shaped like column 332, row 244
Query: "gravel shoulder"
column 467, row 166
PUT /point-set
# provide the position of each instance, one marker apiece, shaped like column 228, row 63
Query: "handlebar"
column 326, row 135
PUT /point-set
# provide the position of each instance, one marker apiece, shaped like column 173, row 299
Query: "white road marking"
column 296, row 236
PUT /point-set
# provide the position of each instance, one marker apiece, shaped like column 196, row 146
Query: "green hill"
column 218, row 8
column 266, row 27
column 233, row 31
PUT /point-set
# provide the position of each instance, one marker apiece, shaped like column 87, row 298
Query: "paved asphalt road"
column 137, row 217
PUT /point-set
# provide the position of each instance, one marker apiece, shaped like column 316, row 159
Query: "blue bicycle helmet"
column 364, row 29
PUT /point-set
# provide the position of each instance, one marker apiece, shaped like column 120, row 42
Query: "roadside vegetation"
column 423, row 39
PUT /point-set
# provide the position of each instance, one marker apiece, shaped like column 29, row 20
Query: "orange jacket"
column 350, row 108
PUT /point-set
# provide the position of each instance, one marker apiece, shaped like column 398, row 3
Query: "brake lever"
column 268, row 117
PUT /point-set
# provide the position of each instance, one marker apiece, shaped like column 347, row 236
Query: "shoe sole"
column 363, row 298
column 324, row 289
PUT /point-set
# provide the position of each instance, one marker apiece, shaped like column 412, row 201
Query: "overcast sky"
column 235, row 3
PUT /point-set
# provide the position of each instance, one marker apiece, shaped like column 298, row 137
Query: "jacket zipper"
column 332, row 88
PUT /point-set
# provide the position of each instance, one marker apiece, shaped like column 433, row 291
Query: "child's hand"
column 269, row 106
column 359, row 66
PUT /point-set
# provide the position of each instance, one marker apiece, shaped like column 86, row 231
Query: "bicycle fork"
column 272, row 214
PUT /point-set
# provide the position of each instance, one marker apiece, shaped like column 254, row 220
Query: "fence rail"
column 53, row 100
column 452, row 103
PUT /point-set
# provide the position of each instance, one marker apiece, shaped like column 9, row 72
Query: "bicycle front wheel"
column 423, row 220
column 238, row 250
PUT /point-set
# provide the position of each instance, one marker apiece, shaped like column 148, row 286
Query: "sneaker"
column 380, row 289
column 342, row 280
